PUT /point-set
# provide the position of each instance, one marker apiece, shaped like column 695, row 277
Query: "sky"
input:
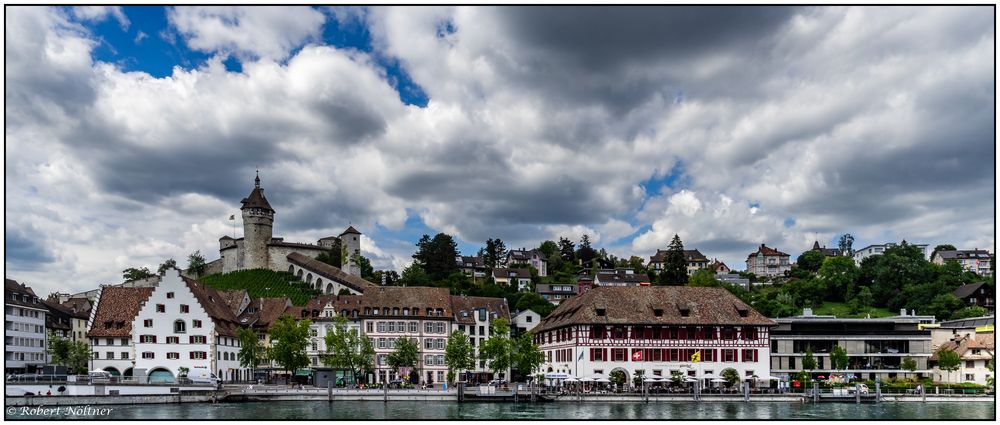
column 132, row 133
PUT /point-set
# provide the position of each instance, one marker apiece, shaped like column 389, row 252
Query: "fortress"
column 259, row 249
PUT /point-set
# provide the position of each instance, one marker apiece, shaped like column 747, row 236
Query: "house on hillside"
column 979, row 294
column 978, row 261
column 514, row 278
column 766, row 261
column 827, row 252
column 533, row 258
column 694, row 260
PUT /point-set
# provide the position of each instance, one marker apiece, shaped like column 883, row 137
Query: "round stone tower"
column 258, row 220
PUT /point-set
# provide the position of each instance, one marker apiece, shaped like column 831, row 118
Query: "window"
column 728, row 355
column 173, row 340
column 179, row 327
column 147, row 355
column 970, row 364
column 617, row 354
column 381, row 326
column 170, row 295
column 147, row 339
column 185, row 308
column 147, row 323
column 600, row 312
column 97, row 355
column 598, row 355
column 413, row 326
column 440, row 344
column 124, row 355
column 481, row 332
column 160, row 308
column 428, row 343
column 196, row 323
column 198, row 355
column 173, row 356
column 527, row 319
column 392, row 326
column 428, row 360
column 750, row 356
column 970, row 377
column 400, row 326
column 439, row 327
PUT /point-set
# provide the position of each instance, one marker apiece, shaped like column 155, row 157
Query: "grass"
column 840, row 309
column 263, row 283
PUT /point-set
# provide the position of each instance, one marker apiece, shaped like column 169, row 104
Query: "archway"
column 319, row 284
column 291, row 269
column 113, row 371
column 329, row 288
column 161, row 376
column 300, row 274
column 309, row 278
column 127, row 373
column 620, row 377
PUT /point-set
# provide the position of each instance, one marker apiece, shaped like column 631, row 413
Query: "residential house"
column 58, row 323
column 473, row 266
column 734, row 279
column 322, row 313
column 420, row 313
column 827, row 252
column 978, row 261
column 584, row 283
column 475, row 316
column 514, row 278
column 974, row 352
column 979, row 294
column 525, row 321
column 556, row 293
column 879, row 249
column 24, row 329
column 533, row 258
column 110, row 328
column 875, row 347
column 79, row 309
column 621, row 277
column 694, row 260
column 768, row 262
column 719, row 267
column 656, row 329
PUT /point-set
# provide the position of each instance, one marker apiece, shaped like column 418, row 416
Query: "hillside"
column 263, row 283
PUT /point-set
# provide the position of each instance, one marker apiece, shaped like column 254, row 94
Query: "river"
column 344, row 410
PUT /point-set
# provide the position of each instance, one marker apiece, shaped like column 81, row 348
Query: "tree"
column 908, row 364
column 72, row 354
column 348, row 349
column 437, row 255
column 367, row 271
column 527, row 357
column 839, row 274
column 332, row 256
column 942, row 306
column 498, row 349
column 948, row 360
column 406, row 355
column 289, row 340
column 252, row 351
column 731, row 376
column 617, row 377
column 846, row 245
column 838, row 358
column 133, row 273
column 196, row 263
column 169, row 264
column 638, row 378
column 458, row 354
column 585, row 253
column 703, row 277
column 942, row 247
column 808, row 292
column 810, row 261
column 675, row 269
column 809, row 362
column 494, row 252
column 990, row 380
column 414, row 275
column 970, row 311
column 548, row 248
column 533, row 301
column 567, row 250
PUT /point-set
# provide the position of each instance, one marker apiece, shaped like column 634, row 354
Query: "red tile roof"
column 330, row 272
column 116, row 309
column 637, row 305
column 767, row 251
column 470, row 305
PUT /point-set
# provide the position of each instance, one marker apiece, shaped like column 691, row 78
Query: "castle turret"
column 350, row 242
column 258, row 220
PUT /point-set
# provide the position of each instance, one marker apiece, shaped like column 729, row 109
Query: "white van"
column 202, row 376
column 99, row 375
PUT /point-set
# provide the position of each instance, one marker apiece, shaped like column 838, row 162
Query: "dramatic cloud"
column 730, row 126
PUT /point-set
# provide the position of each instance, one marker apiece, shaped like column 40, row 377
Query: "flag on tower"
column 232, row 216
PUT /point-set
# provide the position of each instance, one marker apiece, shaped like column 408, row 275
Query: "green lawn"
column 840, row 309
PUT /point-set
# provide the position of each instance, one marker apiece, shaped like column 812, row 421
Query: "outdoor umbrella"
column 709, row 376
column 718, row 380
column 603, row 379
column 768, row 378
column 587, row 379
column 690, row 379
column 653, row 379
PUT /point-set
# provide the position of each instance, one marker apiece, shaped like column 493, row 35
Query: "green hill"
column 263, row 283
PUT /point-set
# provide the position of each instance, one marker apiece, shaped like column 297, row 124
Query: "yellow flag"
column 696, row 357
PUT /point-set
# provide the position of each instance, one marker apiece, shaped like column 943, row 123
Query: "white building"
column 322, row 311
column 879, row 249
column 514, row 278
column 978, row 261
column 768, row 262
column 973, row 340
column 525, row 321
column 656, row 329
column 475, row 317
column 155, row 334
column 24, row 329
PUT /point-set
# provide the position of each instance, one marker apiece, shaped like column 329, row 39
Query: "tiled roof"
column 279, row 242
column 339, row 303
column 522, row 254
column 767, row 251
column 505, row 273
column 256, row 200
column 469, row 305
column 116, row 309
column 621, row 277
column 690, row 255
column 967, row 290
column 964, row 254
column 58, row 316
column 829, row 252
column 80, row 307
column 419, row 298
column 638, row 305
column 330, row 272
column 961, row 346
column 477, row 261
column 350, row 229
column 19, row 294
column 262, row 312
column 215, row 305
column 233, row 298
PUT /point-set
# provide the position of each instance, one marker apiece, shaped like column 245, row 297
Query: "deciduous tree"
column 289, row 340
column 458, row 354
column 948, row 360
column 406, row 354
column 134, row 273
column 498, row 350
column 252, row 351
column 196, row 263
column 348, row 349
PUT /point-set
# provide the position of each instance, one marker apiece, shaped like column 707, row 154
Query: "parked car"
column 202, row 376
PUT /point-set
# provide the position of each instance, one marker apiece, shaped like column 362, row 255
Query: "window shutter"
column 154, row 339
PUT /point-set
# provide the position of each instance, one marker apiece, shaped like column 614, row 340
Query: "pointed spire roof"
column 351, row 229
column 256, row 198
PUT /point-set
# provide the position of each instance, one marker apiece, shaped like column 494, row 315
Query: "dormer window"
column 685, row 312
column 600, row 312
column 658, row 312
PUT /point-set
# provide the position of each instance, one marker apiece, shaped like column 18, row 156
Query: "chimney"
column 902, row 312
column 807, row 312
column 913, row 312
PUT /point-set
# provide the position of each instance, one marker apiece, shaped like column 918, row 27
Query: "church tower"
column 258, row 220
column 350, row 242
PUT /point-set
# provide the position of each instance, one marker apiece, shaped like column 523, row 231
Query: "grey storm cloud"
column 24, row 250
